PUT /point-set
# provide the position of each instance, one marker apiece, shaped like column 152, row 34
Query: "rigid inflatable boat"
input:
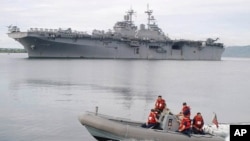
column 104, row 127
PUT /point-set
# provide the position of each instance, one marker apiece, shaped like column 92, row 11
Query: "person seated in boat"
column 185, row 126
column 160, row 103
column 185, row 112
column 197, row 124
column 152, row 120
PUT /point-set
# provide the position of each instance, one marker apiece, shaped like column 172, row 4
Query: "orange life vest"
column 198, row 121
column 186, row 111
column 160, row 104
column 185, row 123
column 152, row 118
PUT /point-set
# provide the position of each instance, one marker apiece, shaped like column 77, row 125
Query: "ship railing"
column 200, row 44
column 43, row 30
column 39, row 30
column 215, row 44
column 67, row 33
column 13, row 29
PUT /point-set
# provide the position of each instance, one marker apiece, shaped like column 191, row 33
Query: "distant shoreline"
column 12, row 50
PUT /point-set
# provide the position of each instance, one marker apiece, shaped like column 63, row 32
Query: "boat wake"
column 227, row 138
column 220, row 130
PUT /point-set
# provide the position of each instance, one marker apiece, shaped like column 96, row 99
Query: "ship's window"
column 136, row 50
column 176, row 46
column 154, row 46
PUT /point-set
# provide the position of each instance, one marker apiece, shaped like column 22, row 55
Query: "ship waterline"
column 124, row 42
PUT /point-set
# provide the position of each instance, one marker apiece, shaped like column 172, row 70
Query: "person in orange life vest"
column 197, row 124
column 185, row 112
column 160, row 103
column 185, row 126
column 152, row 120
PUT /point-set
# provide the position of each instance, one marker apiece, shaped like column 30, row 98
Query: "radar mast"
column 150, row 18
column 129, row 16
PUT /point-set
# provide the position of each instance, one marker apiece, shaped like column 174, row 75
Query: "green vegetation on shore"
column 12, row 50
column 237, row 51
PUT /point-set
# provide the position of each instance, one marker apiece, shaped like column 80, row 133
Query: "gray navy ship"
column 125, row 41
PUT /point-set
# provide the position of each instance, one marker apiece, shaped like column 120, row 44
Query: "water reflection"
column 45, row 103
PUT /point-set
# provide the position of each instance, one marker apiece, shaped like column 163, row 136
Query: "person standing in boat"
column 185, row 112
column 197, row 124
column 160, row 103
column 152, row 120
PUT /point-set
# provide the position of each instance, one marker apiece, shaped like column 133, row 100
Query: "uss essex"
column 125, row 41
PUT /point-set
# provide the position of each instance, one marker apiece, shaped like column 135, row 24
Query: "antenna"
column 130, row 12
column 149, row 12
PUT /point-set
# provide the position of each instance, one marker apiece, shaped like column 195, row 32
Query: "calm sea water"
column 41, row 99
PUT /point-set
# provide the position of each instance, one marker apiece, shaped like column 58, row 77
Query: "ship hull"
column 97, row 48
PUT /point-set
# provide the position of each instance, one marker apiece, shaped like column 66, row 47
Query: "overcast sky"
column 179, row 19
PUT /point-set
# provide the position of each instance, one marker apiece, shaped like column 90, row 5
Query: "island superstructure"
column 125, row 41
